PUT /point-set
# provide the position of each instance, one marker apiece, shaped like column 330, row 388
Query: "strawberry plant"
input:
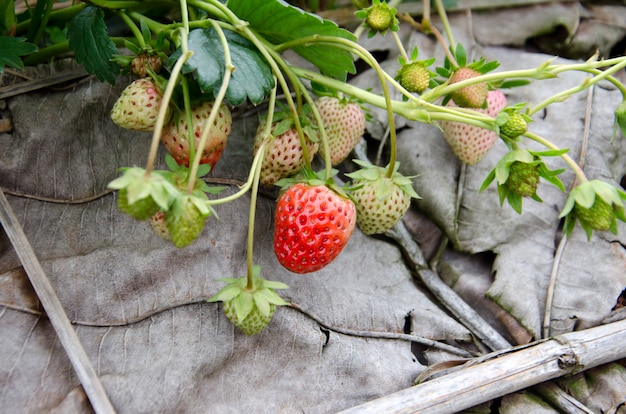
column 195, row 71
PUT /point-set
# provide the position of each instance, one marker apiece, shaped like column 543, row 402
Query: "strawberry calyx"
column 374, row 173
column 596, row 205
column 518, row 174
column 379, row 17
column 311, row 178
column 141, row 195
column 186, row 217
column 250, row 309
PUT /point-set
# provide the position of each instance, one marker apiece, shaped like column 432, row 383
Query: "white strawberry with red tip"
column 138, row 106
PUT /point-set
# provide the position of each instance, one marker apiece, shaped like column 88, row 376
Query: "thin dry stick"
column 545, row 331
column 54, row 310
column 506, row 373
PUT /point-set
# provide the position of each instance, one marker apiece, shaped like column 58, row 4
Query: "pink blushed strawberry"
column 471, row 143
column 175, row 134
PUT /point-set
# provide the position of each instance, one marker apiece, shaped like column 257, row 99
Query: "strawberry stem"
column 133, row 28
column 441, row 10
column 189, row 117
column 167, row 95
column 573, row 164
column 208, row 124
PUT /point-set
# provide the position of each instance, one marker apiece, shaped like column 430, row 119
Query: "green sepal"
column 262, row 295
column 372, row 172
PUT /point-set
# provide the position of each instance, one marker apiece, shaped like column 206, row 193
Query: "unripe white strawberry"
column 283, row 154
column 471, row 143
column 344, row 123
column 380, row 201
column 138, row 106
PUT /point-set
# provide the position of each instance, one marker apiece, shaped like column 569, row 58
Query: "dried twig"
column 54, row 310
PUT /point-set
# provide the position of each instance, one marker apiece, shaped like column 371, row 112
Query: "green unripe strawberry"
column 141, row 209
column 414, row 77
column 380, row 17
column 523, row 178
column 250, row 301
column 254, row 322
column 472, row 96
column 514, row 127
column 185, row 220
column 600, row 216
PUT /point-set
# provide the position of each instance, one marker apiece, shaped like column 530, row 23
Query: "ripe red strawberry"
column 471, row 143
column 283, row 155
column 175, row 134
column 138, row 106
column 380, row 201
column 472, row 96
column 344, row 123
column 312, row 226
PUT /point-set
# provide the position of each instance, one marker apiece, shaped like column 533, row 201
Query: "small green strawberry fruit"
column 379, row 17
column 344, row 123
column 141, row 195
column 523, row 178
column 138, row 106
column 380, row 201
column 600, row 216
column 250, row 301
column 471, row 96
column 515, row 126
column 185, row 219
column 414, row 77
column 141, row 209
column 596, row 205
column 518, row 174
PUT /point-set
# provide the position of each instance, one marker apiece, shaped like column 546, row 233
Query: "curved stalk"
column 572, row 164
column 229, row 68
column 167, row 96
column 133, row 28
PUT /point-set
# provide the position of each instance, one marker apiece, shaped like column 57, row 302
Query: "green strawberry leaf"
column 12, row 48
column 251, row 79
column 280, row 22
column 92, row 47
